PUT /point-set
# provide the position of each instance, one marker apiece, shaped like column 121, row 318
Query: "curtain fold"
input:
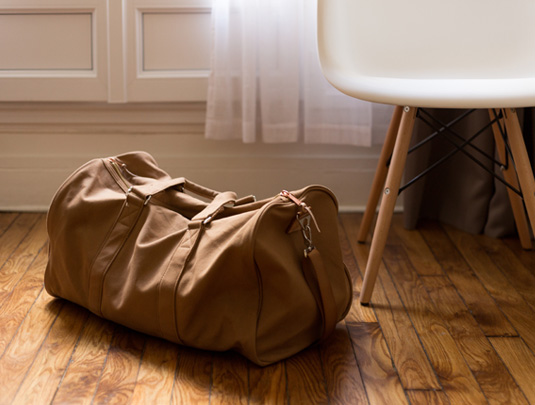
column 460, row 193
column 266, row 82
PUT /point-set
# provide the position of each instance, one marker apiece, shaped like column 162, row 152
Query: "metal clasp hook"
column 304, row 221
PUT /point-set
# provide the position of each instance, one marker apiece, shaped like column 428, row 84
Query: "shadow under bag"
column 201, row 268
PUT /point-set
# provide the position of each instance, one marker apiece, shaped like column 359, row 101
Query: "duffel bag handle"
column 219, row 199
column 318, row 282
column 162, row 185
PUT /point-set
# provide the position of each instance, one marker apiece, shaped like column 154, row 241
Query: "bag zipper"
column 127, row 187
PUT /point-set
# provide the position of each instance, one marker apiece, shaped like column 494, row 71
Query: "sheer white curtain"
column 266, row 83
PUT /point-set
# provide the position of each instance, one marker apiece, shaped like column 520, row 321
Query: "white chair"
column 440, row 54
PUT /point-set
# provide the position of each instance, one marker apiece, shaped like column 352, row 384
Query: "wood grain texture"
column 499, row 286
column 14, row 234
column 455, row 377
column 85, row 368
column 342, row 376
column 50, row 363
column 268, row 384
column 21, row 299
column 418, row 251
column 483, row 307
column 6, row 219
column 520, row 361
column 306, row 378
column 520, row 277
column 403, row 342
column 21, row 258
column 21, row 351
column 420, row 330
column 427, row 397
column 119, row 375
column 193, row 379
column 489, row 371
column 380, row 378
column 156, row 374
column 229, row 379
column 525, row 256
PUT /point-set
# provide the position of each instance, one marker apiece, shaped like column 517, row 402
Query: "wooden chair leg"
column 522, row 163
column 390, row 194
column 509, row 175
column 380, row 175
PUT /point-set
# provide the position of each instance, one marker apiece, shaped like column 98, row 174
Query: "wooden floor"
column 452, row 321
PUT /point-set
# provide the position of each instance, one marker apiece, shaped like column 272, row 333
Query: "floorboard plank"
column 119, row 376
column 306, row 379
column 455, row 377
column 15, row 234
column 482, row 306
column 417, row 249
column 342, row 375
column 268, row 385
column 520, row 361
column 193, row 379
column 519, row 313
column 427, row 397
column 527, row 257
column 489, row 371
column 156, row 373
column 39, row 385
column 521, row 278
column 405, row 347
column 381, row 380
column 20, row 300
column 229, row 379
column 83, row 373
column 6, row 219
column 23, row 256
column 19, row 355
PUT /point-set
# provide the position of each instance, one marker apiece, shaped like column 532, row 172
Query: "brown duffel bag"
column 201, row 268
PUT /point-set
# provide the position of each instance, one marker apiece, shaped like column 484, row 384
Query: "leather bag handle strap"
column 318, row 282
column 217, row 204
column 159, row 186
column 162, row 185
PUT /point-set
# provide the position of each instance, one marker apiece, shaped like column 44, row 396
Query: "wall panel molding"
column 53, row 51
column 104, row 51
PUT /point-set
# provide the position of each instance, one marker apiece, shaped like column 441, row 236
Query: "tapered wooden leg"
column 522, row 163
column 509, row 175
column 390, row 194
column 380, row 175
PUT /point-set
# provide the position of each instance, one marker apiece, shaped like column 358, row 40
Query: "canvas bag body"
column 217, row 273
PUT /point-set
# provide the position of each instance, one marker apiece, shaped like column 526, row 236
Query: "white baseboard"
column 41, row 144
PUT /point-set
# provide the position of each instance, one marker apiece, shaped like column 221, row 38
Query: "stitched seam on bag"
column 181, row 273
column 97, row 255
column 101, row 247
column 105, row 272
column 261, row 214
column 160, row 289
column 350, row 301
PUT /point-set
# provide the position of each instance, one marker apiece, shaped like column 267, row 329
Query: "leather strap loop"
column 318, row 282
column 217, row 204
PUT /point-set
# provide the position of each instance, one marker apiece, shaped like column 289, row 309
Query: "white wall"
column 93, row 78
column 42, row 143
